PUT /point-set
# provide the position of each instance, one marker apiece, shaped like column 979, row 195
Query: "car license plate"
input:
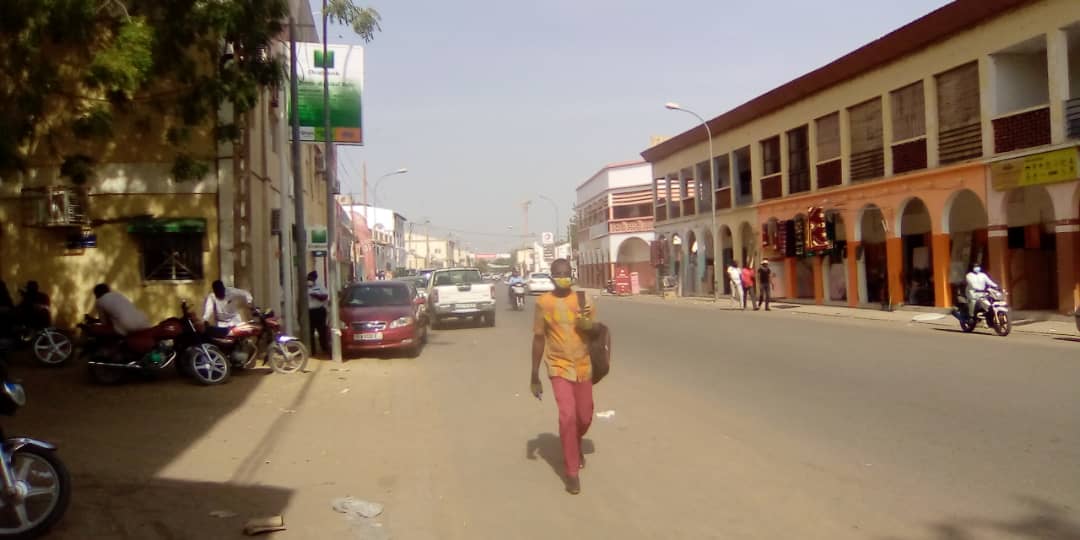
column 376, row 336
column 465, row 307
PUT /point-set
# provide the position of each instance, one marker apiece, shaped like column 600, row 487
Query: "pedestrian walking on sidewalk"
column 557, row 330
column 735, row 278
column 747, row 278
column 764, row 285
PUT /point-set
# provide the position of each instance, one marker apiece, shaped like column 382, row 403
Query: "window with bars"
column 828, row 137
column 798, row 160
column 770, row 156
column 867, row 142
column 171, row 256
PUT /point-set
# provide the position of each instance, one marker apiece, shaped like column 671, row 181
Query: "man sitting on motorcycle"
column 222, row 307
column 515, row 279
column 118, row 312
column 978, row 283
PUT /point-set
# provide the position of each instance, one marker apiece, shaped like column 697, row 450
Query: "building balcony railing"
column 772, row 187
column 1024, row 129
column 631, row 225
column 829, row 173
column 723, row 198
column 909, row 155
column 1072, row 118
column 688, row 207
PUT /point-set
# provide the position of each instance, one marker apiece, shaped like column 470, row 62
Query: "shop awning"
column 174, row 225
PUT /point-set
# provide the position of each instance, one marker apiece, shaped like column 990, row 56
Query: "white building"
column 615, row 224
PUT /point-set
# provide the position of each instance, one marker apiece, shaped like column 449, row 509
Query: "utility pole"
column 299, row 228
column 331, row 200
column 427, row 242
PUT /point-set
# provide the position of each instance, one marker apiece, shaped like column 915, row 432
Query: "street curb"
column 796, row 309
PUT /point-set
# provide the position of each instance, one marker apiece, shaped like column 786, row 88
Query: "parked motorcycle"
column 261, row 337
column 35, row 486
column 609, row 287
column 50, row 346
column 148, row 352
column 517, row 291
column 993, row 309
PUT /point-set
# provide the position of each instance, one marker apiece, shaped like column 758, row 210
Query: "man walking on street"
column 735, row 278
column 317, row 297
column 747, row 277
column 764, row 285
column 559, row 317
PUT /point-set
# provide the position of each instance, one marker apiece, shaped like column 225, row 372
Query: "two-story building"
column 882, row 177
column 615, row 224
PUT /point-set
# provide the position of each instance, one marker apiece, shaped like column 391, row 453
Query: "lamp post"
column 712, row 189
column 375, row 195
column 556, row 208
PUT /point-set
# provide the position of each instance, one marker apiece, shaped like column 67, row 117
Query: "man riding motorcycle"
column 978, row 285
column 515, row 279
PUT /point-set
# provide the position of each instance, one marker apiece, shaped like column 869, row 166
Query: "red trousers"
column 575, row 402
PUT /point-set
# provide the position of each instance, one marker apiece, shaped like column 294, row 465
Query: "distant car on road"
column 379, row 315
column 539, row 282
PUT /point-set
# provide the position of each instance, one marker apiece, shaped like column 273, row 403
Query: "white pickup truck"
column 460, row 293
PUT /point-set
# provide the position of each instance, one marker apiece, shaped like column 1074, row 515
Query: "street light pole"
column 331, row 199
column 556, row 208
column 375, row 195
column 712, row 198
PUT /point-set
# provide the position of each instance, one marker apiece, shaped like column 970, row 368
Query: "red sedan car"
column 382, row 315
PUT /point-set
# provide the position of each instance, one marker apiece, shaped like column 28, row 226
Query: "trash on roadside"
column 223, row 514
column 345, row 391
column 262, row 525
column 287, row 411
column 357, row 507
column 606, row 415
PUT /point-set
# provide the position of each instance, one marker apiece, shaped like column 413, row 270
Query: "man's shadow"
column 548, row 446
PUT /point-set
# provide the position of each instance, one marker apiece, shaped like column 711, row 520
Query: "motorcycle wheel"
column 208, row 365
column 288, row 357
column 51, row 347
column 968, row 325
column 45, row 484
column 1002, row 326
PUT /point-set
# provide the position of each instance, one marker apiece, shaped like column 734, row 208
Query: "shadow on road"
column 1072, row 339
column 1043, row 521
column 116, row 440
column 548, row 447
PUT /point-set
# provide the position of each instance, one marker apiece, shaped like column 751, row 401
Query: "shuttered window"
column 828, row 137
column 959, row 116
column 867, row 154
column 908, row 112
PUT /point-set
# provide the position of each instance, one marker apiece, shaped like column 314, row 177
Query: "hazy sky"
column 492, row 102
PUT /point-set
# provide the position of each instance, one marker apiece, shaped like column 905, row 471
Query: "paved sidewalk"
column 929, row 317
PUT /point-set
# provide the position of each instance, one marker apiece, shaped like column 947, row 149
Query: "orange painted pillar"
column 894, row 251
column 852, row 274
column 940, row 257
column 791, row 278
column 819, row 282
column 1067, row 244
column 997, row 247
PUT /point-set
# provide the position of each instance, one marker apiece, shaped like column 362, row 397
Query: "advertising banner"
column 346, row 77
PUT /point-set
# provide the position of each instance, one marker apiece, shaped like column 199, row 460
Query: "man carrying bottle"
column 560, row 316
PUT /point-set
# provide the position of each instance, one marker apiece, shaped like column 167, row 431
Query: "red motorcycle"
column 148, row 352
column 261, row 337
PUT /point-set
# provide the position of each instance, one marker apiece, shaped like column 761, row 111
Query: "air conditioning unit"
column 56, row 206
column 275, row 221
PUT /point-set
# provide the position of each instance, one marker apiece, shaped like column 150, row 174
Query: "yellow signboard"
column 1046, row 168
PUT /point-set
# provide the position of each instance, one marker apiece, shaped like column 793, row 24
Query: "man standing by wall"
column 317, row 297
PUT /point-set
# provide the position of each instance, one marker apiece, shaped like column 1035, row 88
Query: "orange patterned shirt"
column 567, row 352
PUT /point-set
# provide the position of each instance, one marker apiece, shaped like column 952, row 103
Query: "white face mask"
column 310, row 283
